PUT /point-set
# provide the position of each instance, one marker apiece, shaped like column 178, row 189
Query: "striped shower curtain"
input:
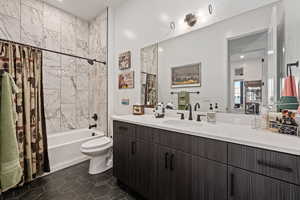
column 25, row 66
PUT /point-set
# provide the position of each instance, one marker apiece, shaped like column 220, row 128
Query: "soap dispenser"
column 216, row 107
column 211, row 115
column 211, row 107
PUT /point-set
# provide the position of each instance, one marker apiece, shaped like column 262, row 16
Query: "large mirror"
column 237, row 65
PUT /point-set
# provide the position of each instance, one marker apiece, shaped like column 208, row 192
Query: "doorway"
column 248, row 73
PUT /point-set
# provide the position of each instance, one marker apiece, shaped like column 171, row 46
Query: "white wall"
column 137, row 24
column 252, row 69
column 292, row 34
column 292, row 23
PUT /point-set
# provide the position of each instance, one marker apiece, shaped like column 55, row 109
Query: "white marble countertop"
column 239, row 134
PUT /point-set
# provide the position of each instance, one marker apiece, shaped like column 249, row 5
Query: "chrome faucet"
column 189, row 106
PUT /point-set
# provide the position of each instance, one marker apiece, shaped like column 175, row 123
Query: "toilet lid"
column 96, row 143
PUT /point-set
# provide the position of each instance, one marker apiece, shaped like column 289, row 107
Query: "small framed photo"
column 125, row 60
column 126, row 80
column 186, row 76
column 138, row 110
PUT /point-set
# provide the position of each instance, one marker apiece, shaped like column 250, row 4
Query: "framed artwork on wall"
column 126, row 80
column 186, row 76
column 125, row 60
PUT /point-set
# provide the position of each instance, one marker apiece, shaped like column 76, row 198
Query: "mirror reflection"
column 237, row 65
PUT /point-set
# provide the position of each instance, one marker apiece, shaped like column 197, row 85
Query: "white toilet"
column 100, row 152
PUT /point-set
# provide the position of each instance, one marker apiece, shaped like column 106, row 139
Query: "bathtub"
column 64, row 148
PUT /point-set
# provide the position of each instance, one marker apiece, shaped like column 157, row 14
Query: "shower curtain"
column 25, row 66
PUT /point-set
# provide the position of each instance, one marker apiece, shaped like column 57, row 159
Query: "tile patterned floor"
column 73, row 183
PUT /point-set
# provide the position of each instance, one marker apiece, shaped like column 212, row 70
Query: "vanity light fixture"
column 210, row 9
column 59, row 1
column 172, row 26
column 191, row 19
column 242, row 56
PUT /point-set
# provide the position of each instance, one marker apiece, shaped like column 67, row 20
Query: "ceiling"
column 249, row 47
column 84, row 9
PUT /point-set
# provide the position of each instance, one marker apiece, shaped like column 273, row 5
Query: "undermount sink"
column 182, row 123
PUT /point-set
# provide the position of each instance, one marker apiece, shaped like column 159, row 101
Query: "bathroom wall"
column 69, row 84
column 292, row 22
column 149, row 23
column 98, row 74
column 292, row 34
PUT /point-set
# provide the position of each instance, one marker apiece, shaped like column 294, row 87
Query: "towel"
column 10, row 168
column 289, row 87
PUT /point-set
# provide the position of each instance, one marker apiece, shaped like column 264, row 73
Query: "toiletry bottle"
column 211, row 107
column 264, row 117
column 216, row 107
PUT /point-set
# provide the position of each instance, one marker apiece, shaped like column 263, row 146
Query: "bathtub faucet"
column 92, row 126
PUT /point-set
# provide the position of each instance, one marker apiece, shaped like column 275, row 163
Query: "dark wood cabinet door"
column 121, row 150
column 209, row 180
column 244, row 185
column 181, row 175
column 145, row 169
column 163, row 182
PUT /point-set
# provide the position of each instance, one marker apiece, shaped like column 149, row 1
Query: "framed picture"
column 126, row 80
column 125, row 60
column 186, row 76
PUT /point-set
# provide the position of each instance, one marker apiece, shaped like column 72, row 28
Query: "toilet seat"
column 96, row 143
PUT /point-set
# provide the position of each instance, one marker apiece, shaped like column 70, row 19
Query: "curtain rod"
column 89, row 60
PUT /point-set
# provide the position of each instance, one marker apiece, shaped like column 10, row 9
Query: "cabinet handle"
column 231, row 184
column 172, row 162
column 132, row 148
column 166, row 160
column 274, row 166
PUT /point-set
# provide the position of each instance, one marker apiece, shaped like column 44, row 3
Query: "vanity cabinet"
column 174, row 180
column 209, row 180
column 270, row 163
column 134, row 159
column 124, row 159
column 245, row 185
column 165, row 165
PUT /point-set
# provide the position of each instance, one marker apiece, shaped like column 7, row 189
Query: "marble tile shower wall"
column 73, row 89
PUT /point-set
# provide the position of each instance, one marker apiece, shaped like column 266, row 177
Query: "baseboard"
column 68, row 164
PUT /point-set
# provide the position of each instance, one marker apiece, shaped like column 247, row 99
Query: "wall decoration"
column 186, row 76
column 125, row 60
column 138, row 109
column 239, row 71
column 126, row 80
column 125, row 102
column 149, row 78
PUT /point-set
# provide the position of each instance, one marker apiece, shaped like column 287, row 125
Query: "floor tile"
column 73, row 183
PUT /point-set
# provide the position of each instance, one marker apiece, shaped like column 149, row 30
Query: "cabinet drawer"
column 124, row 128
column 178, row 141
column 246, row 185
column 210, row 149
column 144, row 133
column 274, row 164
